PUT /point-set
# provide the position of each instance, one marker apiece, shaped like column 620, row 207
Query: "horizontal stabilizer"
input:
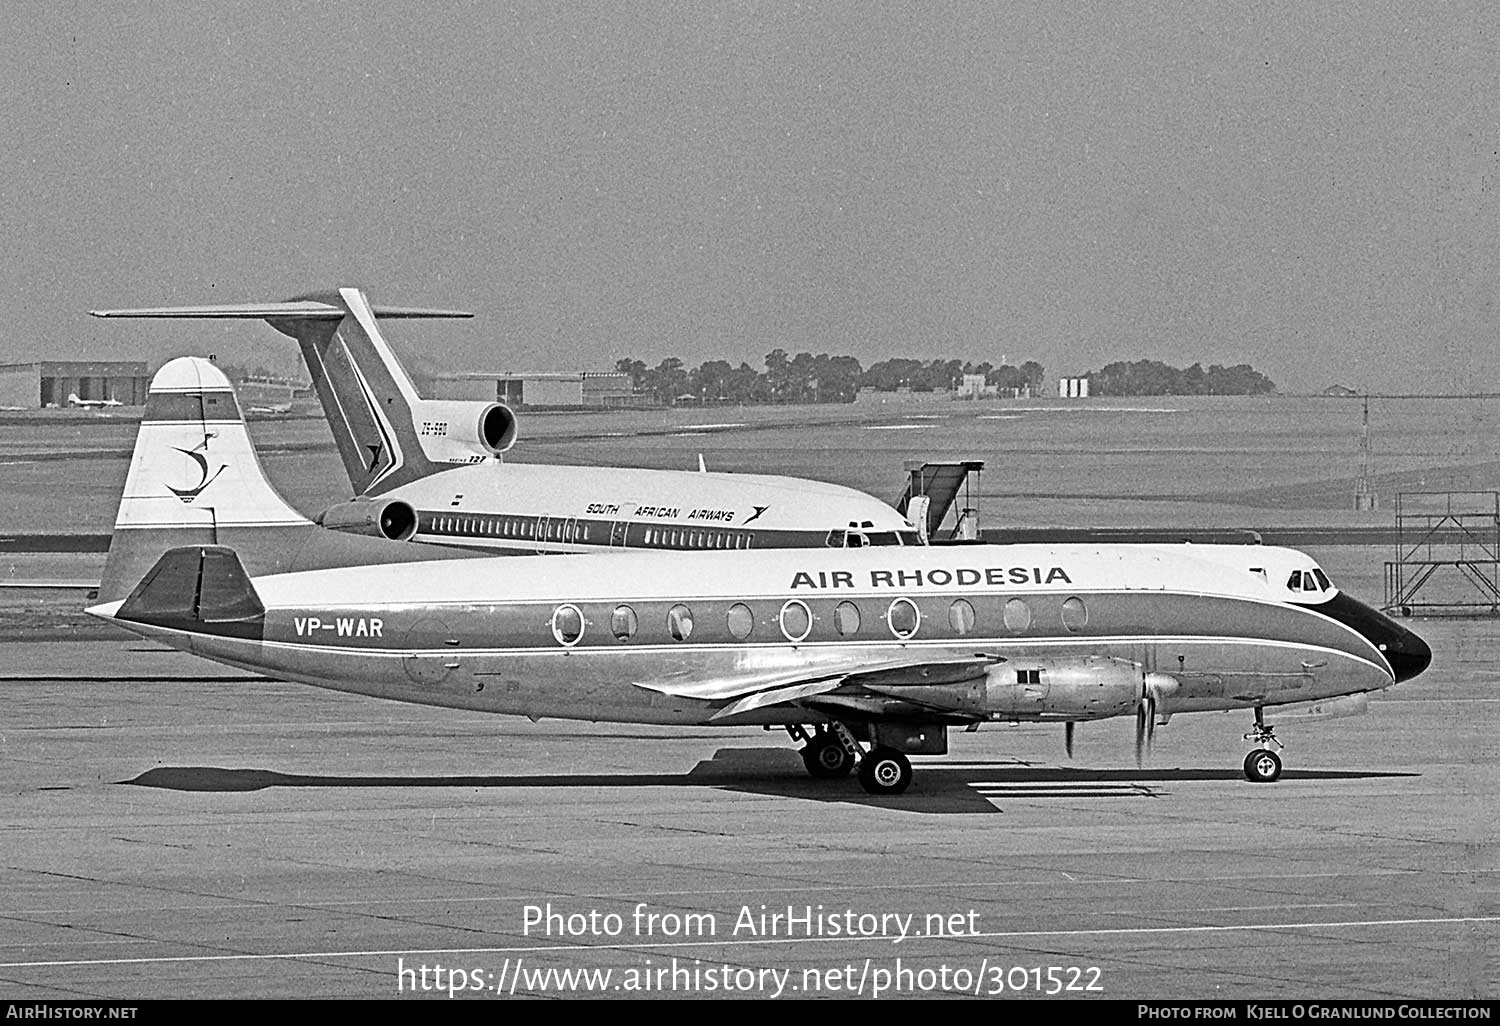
column 201, row 588
column 296, row 310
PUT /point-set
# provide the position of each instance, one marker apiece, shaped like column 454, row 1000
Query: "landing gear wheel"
column 885, row 771
column 1262, row 766
column 824, row 756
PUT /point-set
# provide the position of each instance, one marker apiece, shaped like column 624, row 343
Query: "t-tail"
column 387, row 434
column 195, row 479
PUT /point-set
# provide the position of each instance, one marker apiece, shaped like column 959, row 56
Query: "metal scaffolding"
column 1447, row 555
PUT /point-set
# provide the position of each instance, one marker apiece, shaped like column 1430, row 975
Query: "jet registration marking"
column 341, row 626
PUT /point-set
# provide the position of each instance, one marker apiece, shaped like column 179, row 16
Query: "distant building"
column 49, row 383
column 974, row 386
column 1339, row 392
column 1072, row 388
column 582, row 389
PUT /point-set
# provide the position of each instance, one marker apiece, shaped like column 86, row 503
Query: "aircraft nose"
column 1408, row 654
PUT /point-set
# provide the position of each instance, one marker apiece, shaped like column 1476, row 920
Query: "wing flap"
column 760, row 690
column 776, row 696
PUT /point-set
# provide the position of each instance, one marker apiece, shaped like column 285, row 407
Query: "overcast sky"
column 1307, row 187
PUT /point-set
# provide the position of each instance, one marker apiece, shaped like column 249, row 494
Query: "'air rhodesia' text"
column 965, row 576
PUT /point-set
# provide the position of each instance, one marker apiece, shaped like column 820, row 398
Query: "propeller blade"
column 1068, row 737
column 1140, row 734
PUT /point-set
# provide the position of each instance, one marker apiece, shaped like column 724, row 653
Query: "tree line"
column 805, row 378
column 1149, row 377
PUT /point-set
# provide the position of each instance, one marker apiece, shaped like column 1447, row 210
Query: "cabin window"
column 567, row 624
column 961, row 616
column 740, row 620
column 1017, row 616
column 903, row 618
column 1075, row 616
column 623, row 623
column 680, row 622
column 846, row 618
column 796, row 621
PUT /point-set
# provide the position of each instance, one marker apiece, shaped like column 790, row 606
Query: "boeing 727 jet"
column 864, row 655
column 431, row 471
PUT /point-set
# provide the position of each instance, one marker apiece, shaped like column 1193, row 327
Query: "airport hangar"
column 33, row 386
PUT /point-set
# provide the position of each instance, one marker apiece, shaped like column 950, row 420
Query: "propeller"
column 1068, row 737
column 1156, row 688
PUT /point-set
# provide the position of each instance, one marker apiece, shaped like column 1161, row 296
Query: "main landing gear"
column 1263, row 765
column 833, row 751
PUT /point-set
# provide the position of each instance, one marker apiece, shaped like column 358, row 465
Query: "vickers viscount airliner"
column 865, row 655
column 431, row 471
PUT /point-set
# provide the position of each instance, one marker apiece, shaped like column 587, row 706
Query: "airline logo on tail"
column 189, row 494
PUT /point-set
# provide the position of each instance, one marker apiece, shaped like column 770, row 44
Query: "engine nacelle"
column 387, row 518
column 1081, row 688
column 454, row 431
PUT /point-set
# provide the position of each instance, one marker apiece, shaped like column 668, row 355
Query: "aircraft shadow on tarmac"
column 972, row 788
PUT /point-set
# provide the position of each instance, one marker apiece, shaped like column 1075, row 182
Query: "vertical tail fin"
column 193, row 475
column 195, row 479
column 367, row 396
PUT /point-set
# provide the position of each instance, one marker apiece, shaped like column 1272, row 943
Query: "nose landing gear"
column 1263, row 765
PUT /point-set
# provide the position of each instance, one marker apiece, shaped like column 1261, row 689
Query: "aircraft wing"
column 757, row 691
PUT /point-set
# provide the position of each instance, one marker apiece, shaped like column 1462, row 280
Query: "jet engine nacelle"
column 1079, row 688
column 454, row 431
column 384, row 518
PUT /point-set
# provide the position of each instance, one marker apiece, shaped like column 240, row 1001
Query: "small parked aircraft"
column 92, row 404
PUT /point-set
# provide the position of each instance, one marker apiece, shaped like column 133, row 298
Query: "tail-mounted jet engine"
column 463, row 432
column 384, row 518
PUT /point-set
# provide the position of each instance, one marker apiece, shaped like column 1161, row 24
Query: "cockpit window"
column 884, row 538
column 1308, row 580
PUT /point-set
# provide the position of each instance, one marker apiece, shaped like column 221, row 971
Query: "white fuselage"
column 670, row 638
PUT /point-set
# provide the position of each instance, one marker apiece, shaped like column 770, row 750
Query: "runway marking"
column 759, row 941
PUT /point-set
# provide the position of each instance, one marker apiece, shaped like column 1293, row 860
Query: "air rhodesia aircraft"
column 430, row 471
column 866, row 655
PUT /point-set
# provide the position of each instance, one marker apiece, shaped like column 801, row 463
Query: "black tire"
column 825, row 757
column 1262, row 766
column 885, row 771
